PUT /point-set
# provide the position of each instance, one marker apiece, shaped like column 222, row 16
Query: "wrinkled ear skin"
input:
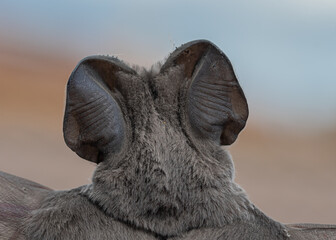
column 93, row 121
column 216, row 105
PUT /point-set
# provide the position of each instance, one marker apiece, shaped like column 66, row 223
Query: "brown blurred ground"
column 290, row 175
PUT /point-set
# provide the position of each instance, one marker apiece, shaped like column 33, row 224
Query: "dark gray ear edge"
column 97, row 63
column 236, row 120
column 235, row 126
column 86, row 151
column 231, row 131
column 93, row 66
column 192, row 50
column 100, row 58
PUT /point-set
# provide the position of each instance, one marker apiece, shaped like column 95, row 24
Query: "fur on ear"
column 216, row 105
column 93, row 121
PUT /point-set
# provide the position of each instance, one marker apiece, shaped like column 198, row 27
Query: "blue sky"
column 284, row 52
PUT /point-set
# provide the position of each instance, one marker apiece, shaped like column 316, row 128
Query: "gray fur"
column 166, row 179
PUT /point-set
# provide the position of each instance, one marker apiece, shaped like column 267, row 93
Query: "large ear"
column 216, row 105
column 93, row 121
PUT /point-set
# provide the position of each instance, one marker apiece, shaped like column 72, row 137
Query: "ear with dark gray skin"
column 216, row 105
column 93, row 121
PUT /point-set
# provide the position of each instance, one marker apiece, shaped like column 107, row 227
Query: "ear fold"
column 93, row 121
column 216, row 105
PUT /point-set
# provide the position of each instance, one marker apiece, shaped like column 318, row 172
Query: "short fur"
column 166, row 179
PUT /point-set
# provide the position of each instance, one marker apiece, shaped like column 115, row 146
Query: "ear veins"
column 182, row 117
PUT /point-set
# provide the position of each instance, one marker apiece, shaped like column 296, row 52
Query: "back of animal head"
column 109, row 106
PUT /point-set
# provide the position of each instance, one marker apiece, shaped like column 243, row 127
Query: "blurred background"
column 283, row 52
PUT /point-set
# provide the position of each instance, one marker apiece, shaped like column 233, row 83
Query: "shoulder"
column 18, row 197
column 20, row 189
column 249, row 230
column 60, row 211
column 312, row 231
column 71, row 215
column 253, row 229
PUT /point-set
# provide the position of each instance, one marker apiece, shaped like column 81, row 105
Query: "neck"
column 169, row 211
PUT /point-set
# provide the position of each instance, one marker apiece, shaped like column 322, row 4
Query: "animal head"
column 157, row 137
column 195, row 98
